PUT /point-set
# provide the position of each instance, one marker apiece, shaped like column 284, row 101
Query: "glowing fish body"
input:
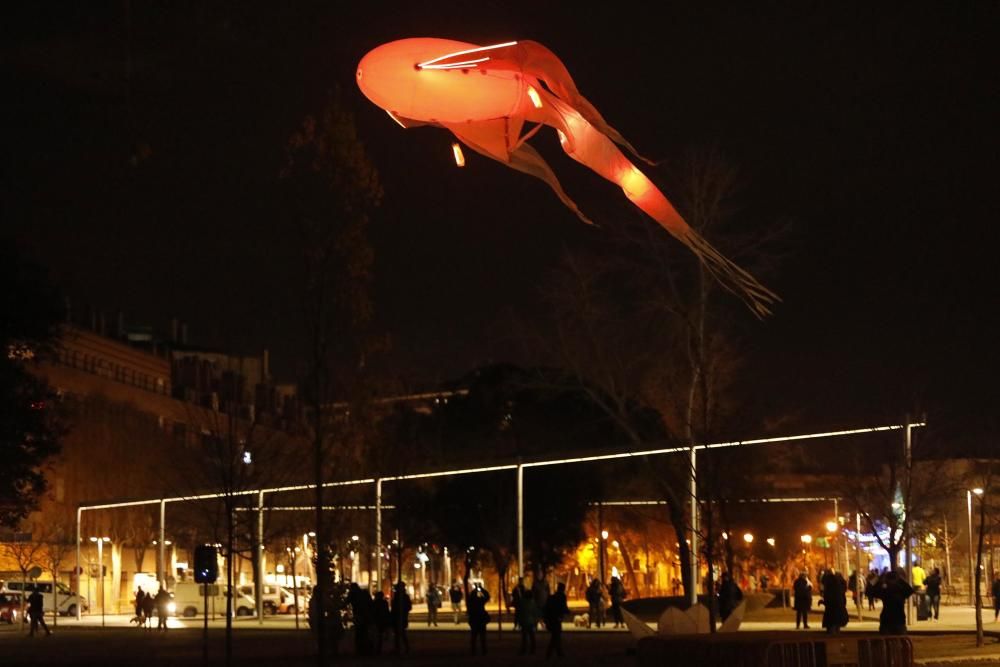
column 486, row 95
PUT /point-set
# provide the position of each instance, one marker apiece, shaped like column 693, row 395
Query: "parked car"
column 57, row 596
column 10, row 607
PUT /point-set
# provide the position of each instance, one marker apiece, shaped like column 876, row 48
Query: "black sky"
column 873, row 133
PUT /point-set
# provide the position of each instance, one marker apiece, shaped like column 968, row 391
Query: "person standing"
column 933, row 585
column 870, row 583
column 617, row 597
column 834, row 602
column 433, row 604
column 382, row 619
column 455, row 595
column 140, row 597
column 802, row 589
column 996, row 598
column 516, row 596
column 401, row 607
column 162, row 599
column 555, row 609
column 361, row 609
column 729, row 596
column 526, row 616
column 36, row 610
column 595, row 603
column 893, row 591
column 479, row 618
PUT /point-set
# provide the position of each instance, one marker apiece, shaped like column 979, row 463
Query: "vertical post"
column 836, row 553
column 907, row 540
column 378, row 534
column 972, row 578
column 694, row 527
column 947, row 552
column 447, row 567
column 100, row 573
column 260, row 558
column 161, row 571
column 520, row 520
column 600, row 543
column 858, row 580
column 79, row 571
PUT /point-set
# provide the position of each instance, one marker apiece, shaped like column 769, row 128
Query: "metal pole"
column 858, row 579
column 79, row 571
column 260, row 558
column 378, row 534
column 947, row 552
column 161, row 575
column 520, row 520
column 907, row 530
column 836, row 554
column 694, row 527
column 100, row 573
column 600, row 543
column 968, row 500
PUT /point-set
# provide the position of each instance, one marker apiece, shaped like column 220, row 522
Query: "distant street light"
column 770, row 541
column 100, row 569
column 748, row 538
column 807, row 539
column 831, row 526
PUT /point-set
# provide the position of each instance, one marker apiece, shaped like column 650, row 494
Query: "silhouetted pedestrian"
column 595, row 603
column 526, row 616
column 996, row 598
column 148, row 607
column 455, row 595
column 933, row 586
column 162, row 600
column 36, row 610
column 617, row 593
column 834, row 602
column 802, row 601
column 893, row 591
column 401, row 607
column 871, row 581
column 729, row 596
column 433, row 604
column 555, row 609
column 479, row 618
column 516, row 596
column 382, row 619
column 361, row 610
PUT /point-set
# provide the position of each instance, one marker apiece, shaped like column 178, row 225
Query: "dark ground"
column 127, row 646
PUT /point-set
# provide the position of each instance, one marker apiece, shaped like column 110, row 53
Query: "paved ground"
column 276, row 642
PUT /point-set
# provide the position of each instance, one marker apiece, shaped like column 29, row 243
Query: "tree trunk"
column 230, row 540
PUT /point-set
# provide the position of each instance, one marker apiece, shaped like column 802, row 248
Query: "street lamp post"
column 100, row 569
column 831, row 527
column 972, row 575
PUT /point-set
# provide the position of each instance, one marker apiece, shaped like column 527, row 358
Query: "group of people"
column 597, row 598
column 374, row 618
column 146, row 604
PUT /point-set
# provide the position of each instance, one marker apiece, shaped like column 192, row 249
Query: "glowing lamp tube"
column 459, row 156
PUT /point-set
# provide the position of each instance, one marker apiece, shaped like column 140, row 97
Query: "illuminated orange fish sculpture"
column 486, row 95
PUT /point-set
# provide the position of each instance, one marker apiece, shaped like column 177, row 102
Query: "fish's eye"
column 359, row 73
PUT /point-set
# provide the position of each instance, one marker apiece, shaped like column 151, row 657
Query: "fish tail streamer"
column 590, row 147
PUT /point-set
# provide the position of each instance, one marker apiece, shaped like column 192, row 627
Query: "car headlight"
column 172, row 607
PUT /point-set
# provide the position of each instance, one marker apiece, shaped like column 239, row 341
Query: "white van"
column 67, row 603
column 189, row 600
column 276, row 599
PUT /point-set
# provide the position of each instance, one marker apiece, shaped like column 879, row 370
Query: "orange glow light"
column 459, row 156
column 533, row 96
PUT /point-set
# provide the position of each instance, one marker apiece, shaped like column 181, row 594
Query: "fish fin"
column 527, row 160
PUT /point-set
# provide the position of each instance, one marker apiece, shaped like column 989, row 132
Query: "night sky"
column 143, row 142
